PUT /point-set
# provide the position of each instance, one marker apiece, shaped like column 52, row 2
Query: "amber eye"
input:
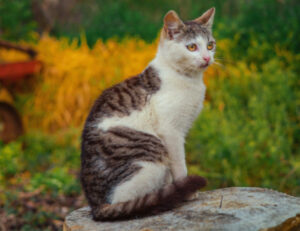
column 210, row 46
column 192, row 47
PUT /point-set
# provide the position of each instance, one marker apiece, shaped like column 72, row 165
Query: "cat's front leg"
column 179, row 170
column 175, row 147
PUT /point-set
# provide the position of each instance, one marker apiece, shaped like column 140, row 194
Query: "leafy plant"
column 246, row 135
column 16, row 20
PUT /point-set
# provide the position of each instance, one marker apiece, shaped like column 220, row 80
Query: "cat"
column 132, row 157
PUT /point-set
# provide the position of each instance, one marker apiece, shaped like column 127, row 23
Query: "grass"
column 247, row 133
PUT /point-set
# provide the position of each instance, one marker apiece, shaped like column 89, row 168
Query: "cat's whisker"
column 225, row 60
column 220, row 64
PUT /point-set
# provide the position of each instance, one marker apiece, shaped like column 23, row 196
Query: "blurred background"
column 57, row 56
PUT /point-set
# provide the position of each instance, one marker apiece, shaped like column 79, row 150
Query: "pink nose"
column 206, row 59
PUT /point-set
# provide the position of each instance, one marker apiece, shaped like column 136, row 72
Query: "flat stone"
column 227, row 209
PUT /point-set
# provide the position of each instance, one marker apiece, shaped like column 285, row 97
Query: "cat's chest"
column 178, row 103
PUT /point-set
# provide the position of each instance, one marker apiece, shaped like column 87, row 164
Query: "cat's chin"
column 203, row 66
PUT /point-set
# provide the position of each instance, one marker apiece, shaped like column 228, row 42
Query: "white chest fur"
column 173, row 108
column 179, row 100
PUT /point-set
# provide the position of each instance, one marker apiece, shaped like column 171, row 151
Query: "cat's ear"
column 172, row 24
column 207, row 18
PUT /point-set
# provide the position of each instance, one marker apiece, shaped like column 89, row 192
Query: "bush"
column 247, row 133
column 40, row 161
column 268, row 22
column 57, row 180
column 16, row 20
column 10, row 164
column 261, row 26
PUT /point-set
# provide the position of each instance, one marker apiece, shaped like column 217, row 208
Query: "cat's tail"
column 164, row 199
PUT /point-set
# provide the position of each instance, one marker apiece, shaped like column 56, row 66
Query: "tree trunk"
column 227, row 209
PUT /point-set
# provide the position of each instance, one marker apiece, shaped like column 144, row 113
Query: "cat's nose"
column 206, row 59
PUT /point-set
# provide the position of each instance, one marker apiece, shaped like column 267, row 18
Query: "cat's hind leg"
column 151, row 177
column 159, row 200
column 136, row 178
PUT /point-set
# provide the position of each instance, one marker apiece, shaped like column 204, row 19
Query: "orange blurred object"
column 11, row 125
column 18, row 70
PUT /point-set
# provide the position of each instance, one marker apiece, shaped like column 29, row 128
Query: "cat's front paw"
column 192, row 197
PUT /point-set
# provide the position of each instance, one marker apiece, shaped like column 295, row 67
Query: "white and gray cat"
column 133, row 158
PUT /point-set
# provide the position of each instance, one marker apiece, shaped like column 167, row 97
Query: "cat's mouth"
column 204, row 65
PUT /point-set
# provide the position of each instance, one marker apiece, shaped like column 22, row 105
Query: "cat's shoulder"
column 130, row 94
column 148, row 80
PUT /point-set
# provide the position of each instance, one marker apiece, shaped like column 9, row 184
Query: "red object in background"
column 18, row 70
column 10, row 121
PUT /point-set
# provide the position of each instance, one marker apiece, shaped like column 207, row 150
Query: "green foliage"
column 37, row 170
column 115, row 18
column 57, row 180
column 16, row 21
column 31, row 219
column 268, row 23
column 48, row 160
column 9, row 161
column 246, row 135
column 36, row 218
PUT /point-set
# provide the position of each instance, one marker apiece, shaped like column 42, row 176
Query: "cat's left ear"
column 207, row 18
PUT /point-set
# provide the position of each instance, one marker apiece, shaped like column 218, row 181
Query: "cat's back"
column 124, row 99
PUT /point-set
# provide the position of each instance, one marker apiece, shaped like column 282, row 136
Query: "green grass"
column 39, row 181
column 16, row 20
column 48, row 160
column 248, row 134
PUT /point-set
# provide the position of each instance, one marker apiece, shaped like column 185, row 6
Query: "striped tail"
column 164, row 199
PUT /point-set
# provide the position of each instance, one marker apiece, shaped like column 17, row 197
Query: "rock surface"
column 227, row 209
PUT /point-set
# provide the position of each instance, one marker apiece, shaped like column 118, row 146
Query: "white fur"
column 168, row 115
column 144, row 120
column 177, row 104
column 178, row 57
column 151, row 177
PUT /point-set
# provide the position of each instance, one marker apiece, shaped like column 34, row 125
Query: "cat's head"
column 188, row 46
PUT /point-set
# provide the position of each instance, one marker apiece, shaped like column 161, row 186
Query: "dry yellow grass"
column 74, row 75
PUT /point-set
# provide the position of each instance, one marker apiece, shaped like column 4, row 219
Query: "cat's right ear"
column 172, row 24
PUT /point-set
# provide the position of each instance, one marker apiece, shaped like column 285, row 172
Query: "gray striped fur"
column 107, row 157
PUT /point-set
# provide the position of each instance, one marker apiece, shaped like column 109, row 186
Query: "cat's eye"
column 192, row 47
column 210, row 45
